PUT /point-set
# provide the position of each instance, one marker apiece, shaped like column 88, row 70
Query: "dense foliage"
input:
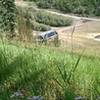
column 40, row 27
column 7, row 15
column 52, row 19
column 83, row 7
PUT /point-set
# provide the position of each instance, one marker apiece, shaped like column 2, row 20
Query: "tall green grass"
column 48, row 72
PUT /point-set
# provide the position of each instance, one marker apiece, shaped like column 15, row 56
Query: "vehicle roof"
column 47, row 32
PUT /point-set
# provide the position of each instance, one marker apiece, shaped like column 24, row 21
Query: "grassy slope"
column 36, row 70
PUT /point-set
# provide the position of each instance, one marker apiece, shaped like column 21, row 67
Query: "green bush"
column 45, row 3
column 24, row 15
column 7, row 16
column 52, row 19
column 40, row 27
column 23, row 25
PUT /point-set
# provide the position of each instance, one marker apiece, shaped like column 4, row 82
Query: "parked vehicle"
column 48, row 35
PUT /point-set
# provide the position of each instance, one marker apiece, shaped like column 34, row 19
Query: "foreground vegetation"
column 46, row 71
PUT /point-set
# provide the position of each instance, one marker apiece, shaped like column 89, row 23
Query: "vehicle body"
column 48, row 35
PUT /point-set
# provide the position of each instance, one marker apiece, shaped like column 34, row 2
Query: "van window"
column 51, row 34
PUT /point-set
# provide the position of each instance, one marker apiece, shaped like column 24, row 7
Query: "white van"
column 45, row 36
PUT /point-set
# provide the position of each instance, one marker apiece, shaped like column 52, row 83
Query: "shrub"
column 40, row 27
column 7, row 16
column 41, row 21
column 45, row 3
column 24, row 25
column 52, row 19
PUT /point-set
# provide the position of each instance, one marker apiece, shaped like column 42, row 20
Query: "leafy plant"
column 7, row 16
column 52, row 19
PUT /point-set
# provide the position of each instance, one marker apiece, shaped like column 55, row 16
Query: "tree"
column 81, row 7
column 7, row 15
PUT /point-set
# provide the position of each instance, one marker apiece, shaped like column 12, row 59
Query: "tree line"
column 81, row 7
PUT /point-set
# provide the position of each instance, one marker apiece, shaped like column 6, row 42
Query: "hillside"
column 47, row 71
column 49, row 50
